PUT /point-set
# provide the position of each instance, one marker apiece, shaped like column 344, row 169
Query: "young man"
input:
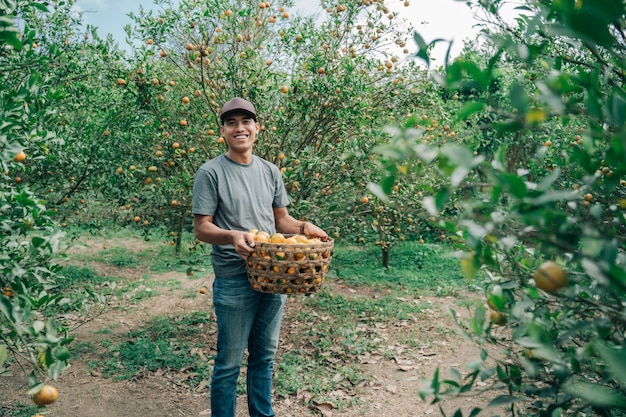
column 234, row 193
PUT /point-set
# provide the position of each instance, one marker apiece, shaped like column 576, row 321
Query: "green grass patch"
column 17, row 409
column 170, row 344
column 424, row 268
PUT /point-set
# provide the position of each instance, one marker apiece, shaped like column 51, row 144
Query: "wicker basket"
column 279, row 268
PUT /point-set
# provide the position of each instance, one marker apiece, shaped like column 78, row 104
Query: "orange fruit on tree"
column 175, row 145
column 498, row 318
column 550, row 277
column 137, row 219
column 20, row 156
column 46, row 396
column 364, row 200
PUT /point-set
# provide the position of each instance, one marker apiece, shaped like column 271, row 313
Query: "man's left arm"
column 285, row 223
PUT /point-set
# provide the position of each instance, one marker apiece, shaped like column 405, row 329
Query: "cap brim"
column 223, row 116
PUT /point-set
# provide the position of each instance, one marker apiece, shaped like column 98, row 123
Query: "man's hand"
column 243, row 242
column 312, row 230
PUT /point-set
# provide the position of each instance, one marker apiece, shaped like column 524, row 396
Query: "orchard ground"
column 391, row 374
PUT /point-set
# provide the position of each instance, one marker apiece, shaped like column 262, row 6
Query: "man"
column 234, row 193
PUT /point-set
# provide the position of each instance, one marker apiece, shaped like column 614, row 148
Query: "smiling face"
column 239, row 131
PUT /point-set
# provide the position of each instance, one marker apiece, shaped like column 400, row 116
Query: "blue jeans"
column 245, row 317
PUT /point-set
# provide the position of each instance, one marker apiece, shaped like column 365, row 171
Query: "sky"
column 451, row 20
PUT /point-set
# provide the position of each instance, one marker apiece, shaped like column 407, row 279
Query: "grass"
column 335, row 330
column 414, row 267
column 166, row 343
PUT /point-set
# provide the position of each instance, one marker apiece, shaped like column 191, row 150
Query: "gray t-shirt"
column 239, row 197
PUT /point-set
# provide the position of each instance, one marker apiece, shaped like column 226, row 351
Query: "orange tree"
column 546, row 217
column 321, row 89
column 30, row 239
column 95, row 125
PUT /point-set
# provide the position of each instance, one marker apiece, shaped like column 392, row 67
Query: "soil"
column 391, row 390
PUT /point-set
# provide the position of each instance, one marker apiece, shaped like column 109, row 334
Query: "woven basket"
column 279, row 268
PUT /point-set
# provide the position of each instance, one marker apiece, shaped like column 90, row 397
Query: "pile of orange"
column 262, row 236
column 293, row 261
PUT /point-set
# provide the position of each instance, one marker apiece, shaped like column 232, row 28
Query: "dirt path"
column 391, row 390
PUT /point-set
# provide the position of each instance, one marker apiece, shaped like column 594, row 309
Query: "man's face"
column 239, row 131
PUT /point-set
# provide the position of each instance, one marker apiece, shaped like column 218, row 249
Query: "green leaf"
column 470, row 267
column 468, row 109
column 3, row 354
column 504, row 400
column 519, row 99
column 594, row 393
column 615, row 362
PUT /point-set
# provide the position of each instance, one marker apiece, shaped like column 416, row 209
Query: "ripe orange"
column 497, row 318
column 149, row 41
column 152, row 168
column 120, row 81
column 185, row 100
column 7, row 291
column 20, row 156
column 364, row 200
column 277, row 238
column 183, row 122
column 321, row 71
column 550, row 277
column 284, row 89
column 302, row 239
column 46, row 396
column 202, row 290
column 137, row 219
column 120, row 170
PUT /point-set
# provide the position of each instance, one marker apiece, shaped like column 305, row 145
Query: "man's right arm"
column 209, row 232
